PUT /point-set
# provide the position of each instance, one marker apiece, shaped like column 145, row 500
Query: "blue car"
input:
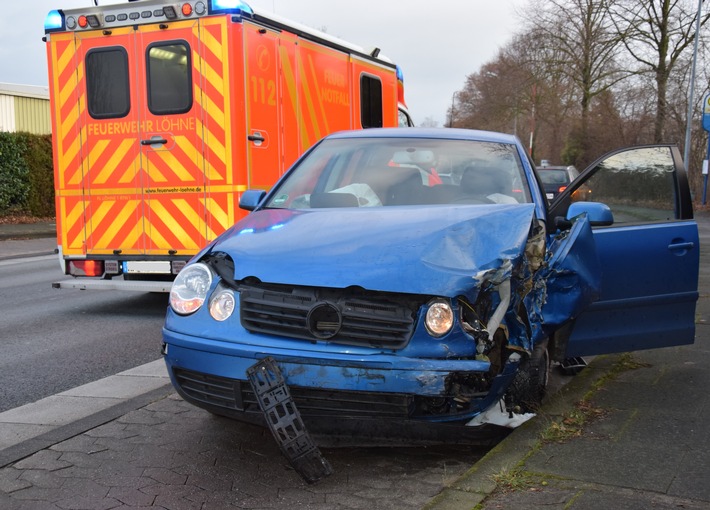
column 380, row 292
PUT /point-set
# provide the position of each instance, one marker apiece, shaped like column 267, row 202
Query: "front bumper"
column 212, row 375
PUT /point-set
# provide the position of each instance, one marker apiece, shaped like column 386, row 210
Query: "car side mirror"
column 599, row 214
column 251, row 199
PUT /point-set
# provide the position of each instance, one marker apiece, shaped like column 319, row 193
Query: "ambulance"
column 165, row 111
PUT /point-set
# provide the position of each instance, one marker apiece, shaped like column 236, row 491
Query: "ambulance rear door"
column 146, row 166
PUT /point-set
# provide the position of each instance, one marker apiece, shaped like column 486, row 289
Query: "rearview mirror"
column 599, row 214
column 251, row 199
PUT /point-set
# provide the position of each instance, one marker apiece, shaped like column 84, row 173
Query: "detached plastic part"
column 285, row 421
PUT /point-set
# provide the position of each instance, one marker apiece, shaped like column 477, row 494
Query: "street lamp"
column 686, row 152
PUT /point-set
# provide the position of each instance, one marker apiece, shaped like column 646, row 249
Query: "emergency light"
column 225, row 6
column 54, row 21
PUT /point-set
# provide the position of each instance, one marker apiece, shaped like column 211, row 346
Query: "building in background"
column 24, row 108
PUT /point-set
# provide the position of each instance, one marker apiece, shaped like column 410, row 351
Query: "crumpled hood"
column 418, row 250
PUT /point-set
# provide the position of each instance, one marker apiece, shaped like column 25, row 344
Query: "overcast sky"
column 436, row 43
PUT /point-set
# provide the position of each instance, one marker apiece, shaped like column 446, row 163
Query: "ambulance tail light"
column 85, row 267
column 54, row 21
column 230, row 6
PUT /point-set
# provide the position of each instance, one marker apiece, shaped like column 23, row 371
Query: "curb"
column 474, row 486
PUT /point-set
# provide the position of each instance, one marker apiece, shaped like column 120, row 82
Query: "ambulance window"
column 370, row 101
column 169, row 79
column 107, row 89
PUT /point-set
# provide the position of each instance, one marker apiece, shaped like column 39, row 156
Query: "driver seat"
column 481, row 181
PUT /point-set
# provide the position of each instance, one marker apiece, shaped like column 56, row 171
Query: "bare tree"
column 656, row 34
column 585, row 43
column 515, row 94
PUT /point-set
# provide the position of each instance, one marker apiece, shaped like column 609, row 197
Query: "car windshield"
column 373, row 172
column 553, row 176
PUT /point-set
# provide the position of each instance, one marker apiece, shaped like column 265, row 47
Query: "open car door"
column 649, row 252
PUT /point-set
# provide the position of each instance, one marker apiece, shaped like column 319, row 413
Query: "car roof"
column 432, row 133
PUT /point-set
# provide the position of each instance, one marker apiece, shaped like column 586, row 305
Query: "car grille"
column 349, row 317
column 230, row 395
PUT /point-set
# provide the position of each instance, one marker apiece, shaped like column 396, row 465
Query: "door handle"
column 256, row 137
column 154, row 140
column 681, row 246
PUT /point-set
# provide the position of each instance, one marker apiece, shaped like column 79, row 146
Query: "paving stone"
column 42, row 478
column 165, row 476
column 129, row 496
column 45, row 459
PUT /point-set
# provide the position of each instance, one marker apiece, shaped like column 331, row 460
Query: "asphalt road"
column 54, row 340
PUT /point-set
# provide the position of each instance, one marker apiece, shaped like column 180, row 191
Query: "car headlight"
column 189, row 289
column 222, row 304
column 439, row 317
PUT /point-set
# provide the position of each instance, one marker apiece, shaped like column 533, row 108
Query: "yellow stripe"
column 133, row 237
column 126, row 212
column 65, row 58
column 112, row 163
column 321, row 108
column 214, row 111
column 290, row 80
column 210, row 42
column 192, row 217
column 218, row 149
column 174, row 226
column 155, row 236
column 156, row 175
column 172, row 162
column 217, row 212
column 69, row 221
column 94, row 155
column 130, row 174
column 137, row 191
column 308, row 100
column 227, row 102
column 212, row 76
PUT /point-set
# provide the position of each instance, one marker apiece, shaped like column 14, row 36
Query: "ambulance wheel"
column 530, row 382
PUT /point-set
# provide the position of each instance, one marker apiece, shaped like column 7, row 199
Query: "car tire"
column 530, row 382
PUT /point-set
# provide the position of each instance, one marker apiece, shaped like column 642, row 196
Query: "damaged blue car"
column 401, row 277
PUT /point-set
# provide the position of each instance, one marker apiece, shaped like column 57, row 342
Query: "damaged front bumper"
column 342, row 385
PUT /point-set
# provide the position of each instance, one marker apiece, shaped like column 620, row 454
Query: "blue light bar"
column 54, row 21
column 230, row 6
column 400, row 74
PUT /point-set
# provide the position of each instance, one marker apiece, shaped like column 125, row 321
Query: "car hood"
column 437, row 250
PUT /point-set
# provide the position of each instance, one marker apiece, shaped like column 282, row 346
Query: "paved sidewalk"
column 31, row 239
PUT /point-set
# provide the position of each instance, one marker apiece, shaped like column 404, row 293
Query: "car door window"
column 648, row 253
column 638, row 186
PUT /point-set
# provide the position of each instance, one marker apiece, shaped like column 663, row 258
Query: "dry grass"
column 19, row 219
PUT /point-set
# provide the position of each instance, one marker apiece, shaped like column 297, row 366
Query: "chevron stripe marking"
column 213, row 77
column 121, row 218
column 72, row 219
column 154, row 237
column 218, row 213
column 96, row 151
column 169, row 162
column 321, row 107
column 214, row 110
column 129, row 175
